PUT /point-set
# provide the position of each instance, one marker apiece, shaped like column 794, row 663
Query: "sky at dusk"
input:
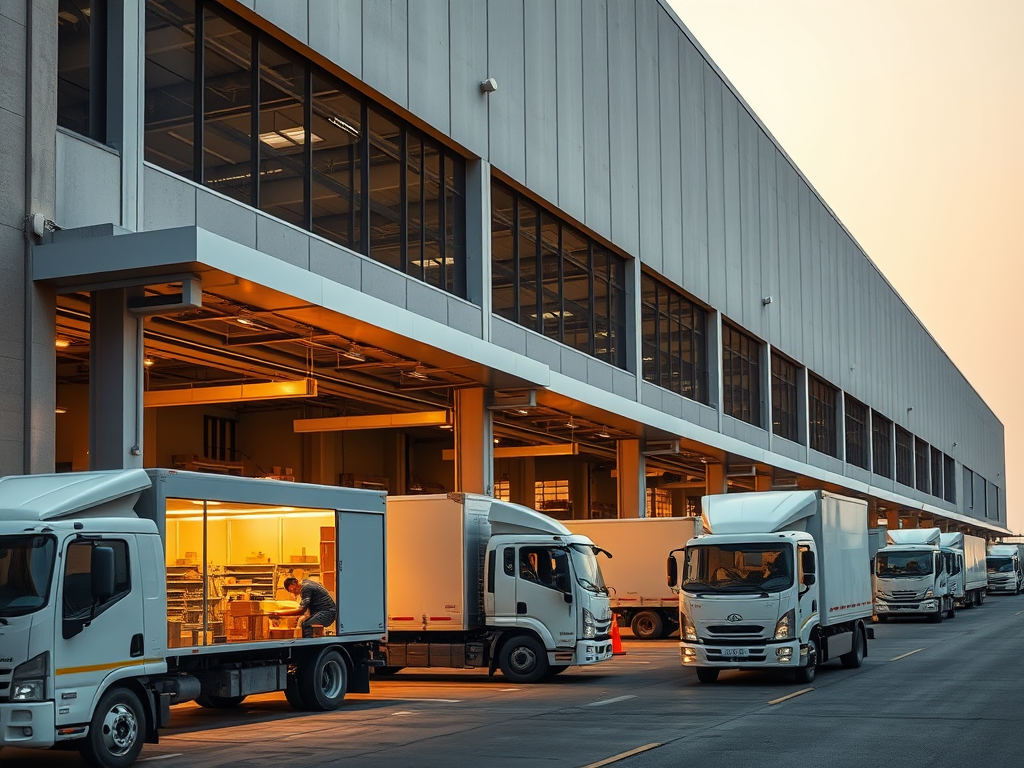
column 907, row 116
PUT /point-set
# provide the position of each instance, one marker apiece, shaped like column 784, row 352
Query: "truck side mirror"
column 103, row 578
column 808, row 579
column 673, row 571
column 567, row 596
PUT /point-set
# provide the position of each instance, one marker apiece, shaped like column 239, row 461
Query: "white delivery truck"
column 635, row 574
column 781, row 580
column 1005, row 568
column 912, row 576
column 124, row 592
column 477, row 582
column 968, row 576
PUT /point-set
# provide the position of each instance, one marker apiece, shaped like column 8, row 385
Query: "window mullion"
column 199, row 95
column 254, row 123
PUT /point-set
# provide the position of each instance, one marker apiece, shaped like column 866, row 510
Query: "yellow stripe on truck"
column 102, row 667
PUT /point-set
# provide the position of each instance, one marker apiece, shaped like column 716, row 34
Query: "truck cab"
column 913, row 580
column 1005, row 569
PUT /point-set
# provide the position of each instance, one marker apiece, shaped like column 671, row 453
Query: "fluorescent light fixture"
column 60, row 409
column 232, row 393
column 416, row 374
column 524, row 451
column 447, row 260
column 288, row 137
column 148, row 362
column 245, row 321
column 353, row 353
column 62, row 343
column 339, row 123
column 377, row 421
column 603, row 434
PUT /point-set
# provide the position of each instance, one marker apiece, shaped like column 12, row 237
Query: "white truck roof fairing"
column 951, row 540
column 928, row 536
column 111, row 493
column 508, row 518
column 766, row 512
column 1003, row 550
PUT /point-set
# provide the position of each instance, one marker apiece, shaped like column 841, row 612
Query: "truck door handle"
column 521, row 609
column 136, row 646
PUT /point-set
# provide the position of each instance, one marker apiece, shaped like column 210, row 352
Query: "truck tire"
column 292, row 694
column 805, row 675
column 707, row 675
column 647, row 625
column 981, row 597
column 855, row 657
column 556, row 669
column 936, row 618
column 523, row 659
column 323, row 681
column 951, row 612
column 116, row 731
column 219, row 702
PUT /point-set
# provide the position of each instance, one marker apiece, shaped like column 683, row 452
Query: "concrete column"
column 762, row 482
column 893, row 518
column 632, row 479
column 715, row 479
column 915, row 520
column 474, row 442
column 115, row 383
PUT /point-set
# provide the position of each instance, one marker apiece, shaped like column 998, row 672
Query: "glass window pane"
column 386, row 190
column 576, row 290
column 551, row 283
column 336, row 119
column 227, row 105
column 282, row 138
column 433, row 256
column 414, row 204
column 455, row 223
column 503, row 272
column 528, row 221
column 80, row 50
column 170, row 85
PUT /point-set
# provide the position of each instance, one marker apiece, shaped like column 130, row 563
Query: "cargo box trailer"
column 635, row 574
column 968, row 580
column 124, row 592
column 477, row 582
column 780, row 580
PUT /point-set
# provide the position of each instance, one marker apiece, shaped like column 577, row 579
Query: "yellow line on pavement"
column 621, row 756
column 909, row 653
column 791, row 696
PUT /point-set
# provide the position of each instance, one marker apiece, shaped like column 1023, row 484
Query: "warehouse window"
column 936, row 472
column 674, row 341
column 219, row 438
column 881, row 445
column 244, row 115
column 949, row 478
column 904, row 457
column 741, row 380
column 921, row 464
column 968, row 490
column 981, row 495
column 548, row 276
column 503, row 490
column 659, row 502
column 994, row 506
column 785, row 421
column 857, row 446
column 82, row 67
column 822, row 398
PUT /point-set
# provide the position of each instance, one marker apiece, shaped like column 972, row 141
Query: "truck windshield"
column 999, row 564
column 588, row 572
column 26, row 567
column 903, row 563
column 738, row 568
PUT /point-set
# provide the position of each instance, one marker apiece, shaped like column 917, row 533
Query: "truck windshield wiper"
column 694, row 585
column 588, row 584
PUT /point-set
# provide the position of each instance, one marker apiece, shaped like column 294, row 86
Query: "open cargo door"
column 360, row 562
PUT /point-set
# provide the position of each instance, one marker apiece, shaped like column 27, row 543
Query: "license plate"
column 735, row 653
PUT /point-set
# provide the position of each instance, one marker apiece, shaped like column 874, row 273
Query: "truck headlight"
column 28, row 683
column 689, row 631
column 589, row 625
column 784, row 626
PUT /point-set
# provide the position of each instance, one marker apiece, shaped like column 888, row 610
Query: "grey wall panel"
column 429, row 47
column 790, row 294
column 286, row 14
column 336, row 31
column 12, row 170
column 541, row 99
column 596, row 116
column 672, row 404
column 715, row 165
column 670, row 206
column 386, row 48
column 545, row 350
column 788, row 448
column 334, row 263
column 623, row 383
column 383, row 283
column 731, row 186
column 462, row 315
column 468, row 67
column 508, row 335
column 768, row 204
column 622, row 133
column 599, row 374
column 169, row 201
column 648, row 122
column 746, row 432
column 573, row 364
column 88, row 183
column 752, row 312
column 424, row 300
column 693, row 159
column 507, row 106
column 569, row 81
column 226, row 217
column 278, row 239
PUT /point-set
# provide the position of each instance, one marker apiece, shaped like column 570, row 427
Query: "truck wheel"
column 855, row 657
column 116, row 731
column 707, row 674
column 523, row 659
column 556, row 669
column 951, row 613
column 292, row 694
column 981, row 597
column 936, row 618
column 219, row 702
column 805, row 675
column 647, row 625
column 387, row 671
column 323, row 681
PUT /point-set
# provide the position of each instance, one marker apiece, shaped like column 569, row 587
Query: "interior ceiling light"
column 60, row 409
column 339, row 123
column 416, row 374
column 62, row 343
column 288, row 137
column 148, row 362
column 245, row 321
column 522, row 411
column 353, row 353
column 603, row 434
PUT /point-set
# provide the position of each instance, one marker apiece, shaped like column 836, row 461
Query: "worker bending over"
column 315, row 599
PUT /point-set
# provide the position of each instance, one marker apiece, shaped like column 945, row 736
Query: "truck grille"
column 5, row 684
column 906, row 594
column 754, row 630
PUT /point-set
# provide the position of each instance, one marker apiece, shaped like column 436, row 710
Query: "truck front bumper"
column 890, row 608
column 752, row 656
column 592, row 652
column 27, row 724
column 1005, row 586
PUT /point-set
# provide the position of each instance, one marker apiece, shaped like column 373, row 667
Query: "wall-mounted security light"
column 766, row 301
column 490, row 85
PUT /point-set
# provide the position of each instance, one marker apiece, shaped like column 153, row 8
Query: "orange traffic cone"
column 616, row 638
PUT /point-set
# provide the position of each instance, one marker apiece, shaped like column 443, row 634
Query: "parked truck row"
column 123, row 593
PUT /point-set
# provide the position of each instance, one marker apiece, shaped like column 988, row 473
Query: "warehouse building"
column 539, row 250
